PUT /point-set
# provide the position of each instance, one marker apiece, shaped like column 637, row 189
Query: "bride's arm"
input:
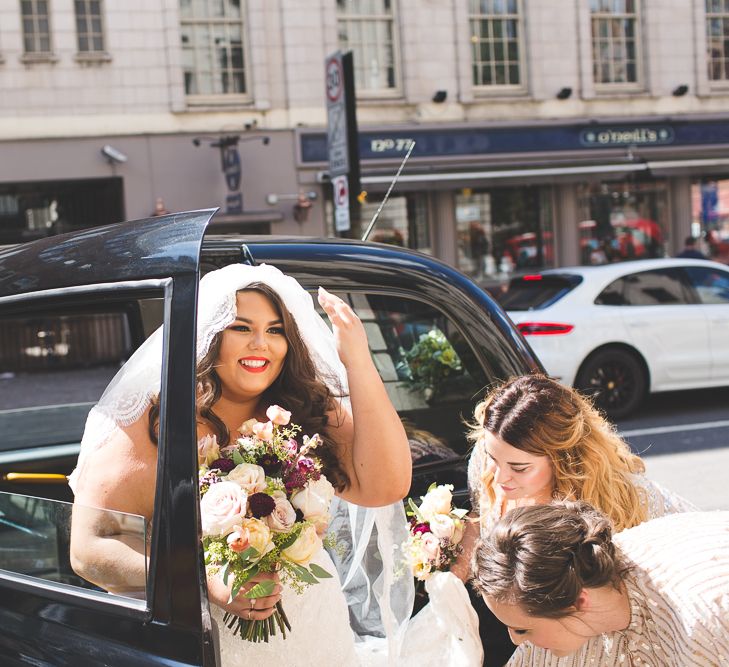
column 374, row 448
column 119, row 478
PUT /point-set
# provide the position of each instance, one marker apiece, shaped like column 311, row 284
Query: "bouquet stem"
column 259, row 630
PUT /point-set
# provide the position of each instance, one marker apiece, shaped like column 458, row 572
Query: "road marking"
column 674, row 429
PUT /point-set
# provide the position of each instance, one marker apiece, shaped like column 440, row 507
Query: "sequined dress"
column 679, row 600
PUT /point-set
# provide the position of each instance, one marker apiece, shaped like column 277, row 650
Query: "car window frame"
column 180, row 294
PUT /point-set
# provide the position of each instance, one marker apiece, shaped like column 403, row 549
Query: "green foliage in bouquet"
column 432, row 360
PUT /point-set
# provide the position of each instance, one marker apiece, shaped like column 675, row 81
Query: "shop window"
column 717, row 40
column 36, row 28
column 213, row 58
column 622, row 220
column 367, row 28
column 710, row 216
column 89, row 28
column 496, row 43
column 616, row 39
column 402, row 222
column 503, row 231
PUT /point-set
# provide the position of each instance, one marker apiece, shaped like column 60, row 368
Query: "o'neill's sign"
column 626, row 136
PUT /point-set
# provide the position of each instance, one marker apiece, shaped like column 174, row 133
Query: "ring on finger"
column 253, row 603
column 250, row 614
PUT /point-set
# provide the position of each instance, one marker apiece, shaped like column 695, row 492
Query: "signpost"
column 342, row 141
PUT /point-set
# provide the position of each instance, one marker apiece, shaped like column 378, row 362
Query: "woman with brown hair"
column 574, row 594
column 536, row 440
column 260, row 342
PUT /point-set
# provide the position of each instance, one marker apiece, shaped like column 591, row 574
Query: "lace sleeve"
column 475, row 468
column 661, row 501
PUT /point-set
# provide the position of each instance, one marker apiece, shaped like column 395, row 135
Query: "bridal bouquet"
column 436, row 529
column 264, row 505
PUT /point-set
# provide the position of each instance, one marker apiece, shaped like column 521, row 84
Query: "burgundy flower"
column 420, row 528
column 271, row 464
column 261, row 504
column 295, row 480
column 224, row 465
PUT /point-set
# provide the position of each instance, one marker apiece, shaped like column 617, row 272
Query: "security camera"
column 112, row 154
column 323, row 177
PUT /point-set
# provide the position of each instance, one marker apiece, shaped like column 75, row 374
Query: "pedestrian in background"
column 690, row 251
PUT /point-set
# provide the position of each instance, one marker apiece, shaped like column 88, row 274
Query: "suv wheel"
column 616, row 381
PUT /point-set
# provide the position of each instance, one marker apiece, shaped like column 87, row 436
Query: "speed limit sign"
column 337, row 147
column 334, row 79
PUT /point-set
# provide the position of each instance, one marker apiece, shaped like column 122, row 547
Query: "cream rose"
column 314, row 499
column 283, row 515
column 306, row 545
column 246, row 428
column 278, row 415
column 207, row 450
column 437, row 501
column 221, row 508
column 251, row 533
column 442, row 526
column 250, row 477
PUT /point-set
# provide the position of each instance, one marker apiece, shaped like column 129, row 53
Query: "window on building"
column 36, row 27
column 212, row 47
column 496, row 42
column 89, row 29
column 622, row 220
column 615, row 41
column 717, row 39
column 503, row 231
column 367, row 28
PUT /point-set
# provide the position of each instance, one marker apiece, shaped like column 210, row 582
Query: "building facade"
column 547, row 132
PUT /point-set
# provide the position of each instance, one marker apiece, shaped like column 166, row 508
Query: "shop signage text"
column 636, row 136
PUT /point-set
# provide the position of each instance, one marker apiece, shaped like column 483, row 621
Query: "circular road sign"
column 334, row 80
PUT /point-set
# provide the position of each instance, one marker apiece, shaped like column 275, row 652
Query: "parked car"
column 74, row 307
column 621, row 330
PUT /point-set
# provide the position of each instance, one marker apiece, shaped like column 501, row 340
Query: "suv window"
column 533, row 292
column 658, row 287
column 711, row 284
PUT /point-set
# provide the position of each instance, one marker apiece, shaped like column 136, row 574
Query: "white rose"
column 221, row 508
column 306, row 545
column 250, row 477
column 442, row 526
column 437, row 501
column 283, row 516
column 314, row 499
column 431, row 546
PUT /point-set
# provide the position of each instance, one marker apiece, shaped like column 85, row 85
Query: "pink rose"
column 221, row 508
column 278, row 415
column 207, row 450
column 292, row 446
column 246, row 428
column 283, row 516
column 263, row 430
column 431, row 546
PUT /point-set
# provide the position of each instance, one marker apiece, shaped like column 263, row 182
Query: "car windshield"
column 534, row 292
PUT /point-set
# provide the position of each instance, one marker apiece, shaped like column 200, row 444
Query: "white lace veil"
column 378, row 590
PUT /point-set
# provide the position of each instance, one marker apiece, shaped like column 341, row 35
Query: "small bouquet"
column 432, row 360
column 264, row 505
column 436, row 529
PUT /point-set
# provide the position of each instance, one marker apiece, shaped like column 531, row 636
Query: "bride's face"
column 253, row 348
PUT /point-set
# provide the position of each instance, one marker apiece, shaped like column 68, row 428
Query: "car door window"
column 56, row 359
column 658, row 287
column 432, row 376
column 711, row 284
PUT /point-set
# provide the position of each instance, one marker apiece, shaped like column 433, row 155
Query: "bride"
column 260, row 342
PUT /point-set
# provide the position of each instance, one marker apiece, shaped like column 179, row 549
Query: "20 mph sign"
column 337, row 116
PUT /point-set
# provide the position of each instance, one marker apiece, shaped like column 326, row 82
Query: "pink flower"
column 250, row 477
column 246, row 428
column 292, row 446
column 420, row 528
column 283, row 516
column 263, row 430
column 221, row 508
column 278, row 415
column 207, row 450
column 431, row 546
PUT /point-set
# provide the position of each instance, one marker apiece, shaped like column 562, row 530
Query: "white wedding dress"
column 320, row 633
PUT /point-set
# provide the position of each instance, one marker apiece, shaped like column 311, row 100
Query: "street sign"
column 340, row 185
column 337, row 146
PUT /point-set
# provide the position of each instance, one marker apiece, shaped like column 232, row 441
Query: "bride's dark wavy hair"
column 298, row 388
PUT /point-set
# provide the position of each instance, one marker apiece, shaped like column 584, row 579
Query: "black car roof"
column 155, row 247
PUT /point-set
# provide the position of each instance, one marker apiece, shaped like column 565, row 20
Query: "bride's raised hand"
column 349, row 332
column 250, row 609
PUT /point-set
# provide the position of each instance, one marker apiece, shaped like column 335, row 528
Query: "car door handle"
column 637, row 325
